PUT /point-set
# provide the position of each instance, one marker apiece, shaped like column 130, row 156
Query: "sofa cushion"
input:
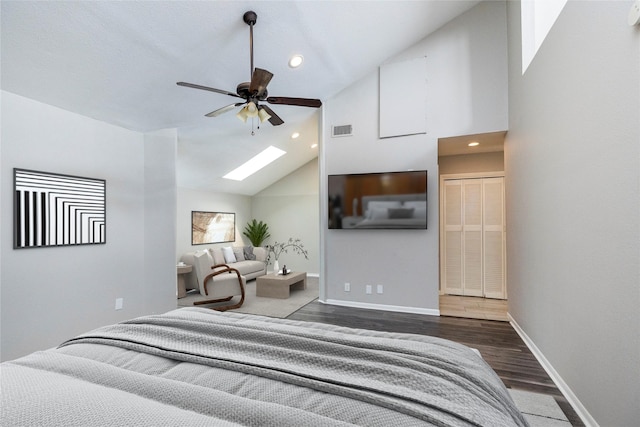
column 248, row 253
column 228, row 254
column 247, row 267
column 261, row 253
column 218, row 256
column 238, row 252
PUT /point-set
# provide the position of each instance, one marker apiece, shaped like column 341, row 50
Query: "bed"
column 196, row 367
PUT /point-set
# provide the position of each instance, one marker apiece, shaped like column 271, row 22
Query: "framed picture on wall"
column 51, row 209
column 212, row 227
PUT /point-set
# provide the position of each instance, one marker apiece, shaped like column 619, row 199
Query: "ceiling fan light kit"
column 263, row 115
column 255, row 91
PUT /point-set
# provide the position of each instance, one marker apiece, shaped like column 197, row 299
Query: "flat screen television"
column 385, row 200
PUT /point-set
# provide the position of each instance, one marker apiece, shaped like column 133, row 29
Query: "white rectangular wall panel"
column 403, row 98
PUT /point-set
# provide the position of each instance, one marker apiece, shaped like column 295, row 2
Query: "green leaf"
column 257, row 232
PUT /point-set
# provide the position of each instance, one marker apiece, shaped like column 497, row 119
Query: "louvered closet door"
column 494, row 238
column 452, row 257
column 472, row 237
column 473, row 248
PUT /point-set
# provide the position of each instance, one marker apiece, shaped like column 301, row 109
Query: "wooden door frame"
column 442, row 179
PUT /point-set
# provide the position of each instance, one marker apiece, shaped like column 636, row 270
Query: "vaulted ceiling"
column 119, row 61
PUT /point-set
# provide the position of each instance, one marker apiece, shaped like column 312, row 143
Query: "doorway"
column 472, row 226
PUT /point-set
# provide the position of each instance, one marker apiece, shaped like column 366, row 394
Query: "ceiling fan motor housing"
column 243, row 91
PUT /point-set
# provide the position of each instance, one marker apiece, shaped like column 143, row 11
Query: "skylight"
column 537, row 18
column 256, row 163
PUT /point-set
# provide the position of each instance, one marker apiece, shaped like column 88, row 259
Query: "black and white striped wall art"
column 52, row 209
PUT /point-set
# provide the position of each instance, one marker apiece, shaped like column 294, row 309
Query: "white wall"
column 160, row 219
column 290, row 208
column 572, row 155
column 200, row 200
column 467, row 94
column 52, row 294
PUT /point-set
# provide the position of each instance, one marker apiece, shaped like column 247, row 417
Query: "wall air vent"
column 342, row 130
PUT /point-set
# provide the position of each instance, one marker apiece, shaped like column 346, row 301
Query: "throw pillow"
column 248, row 253
column 218, row 256
column 379, row 213
column 420, row 204
column 400, row 213
column 239, row 253
column 229, row 257
column 383, row 204
column 420, row 213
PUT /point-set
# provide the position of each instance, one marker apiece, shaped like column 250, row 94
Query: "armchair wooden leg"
column 231, row 307
column 211, row 301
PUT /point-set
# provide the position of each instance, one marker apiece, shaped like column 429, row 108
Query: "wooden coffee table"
column 278, row 286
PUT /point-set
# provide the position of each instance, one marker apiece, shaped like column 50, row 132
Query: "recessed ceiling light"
column 295, row 135
column 296, row 61
column 256, row 163
column 314, row 145
column 474, row 144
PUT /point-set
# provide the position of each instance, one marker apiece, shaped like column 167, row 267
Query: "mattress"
column 194, row 366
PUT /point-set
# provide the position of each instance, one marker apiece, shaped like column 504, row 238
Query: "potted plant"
column 277, row 249
column 257, row 232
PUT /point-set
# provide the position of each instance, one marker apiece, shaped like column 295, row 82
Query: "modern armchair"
column 219, row 283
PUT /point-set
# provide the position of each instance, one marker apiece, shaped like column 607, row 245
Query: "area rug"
column 272, row 307
column 539, row 409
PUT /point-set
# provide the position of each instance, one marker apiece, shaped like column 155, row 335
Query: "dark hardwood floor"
column 498, row 342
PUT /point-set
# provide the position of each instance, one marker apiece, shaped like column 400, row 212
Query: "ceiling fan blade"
column 301, row 102
column 259, row 81
column 224, row 109
column 275, row 120
column 210, row 89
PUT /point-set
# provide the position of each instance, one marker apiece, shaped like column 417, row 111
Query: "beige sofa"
column 233, row 256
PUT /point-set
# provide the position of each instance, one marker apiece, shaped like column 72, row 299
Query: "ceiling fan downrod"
column 250, row 19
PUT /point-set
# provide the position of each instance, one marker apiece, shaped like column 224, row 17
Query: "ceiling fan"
column 255, row 91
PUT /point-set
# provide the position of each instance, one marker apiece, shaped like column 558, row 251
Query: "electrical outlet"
column 369, row 289
column 347, row 287
column 380, row 290
column 119, row 303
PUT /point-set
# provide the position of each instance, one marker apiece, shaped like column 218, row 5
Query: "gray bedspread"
column 195, row 366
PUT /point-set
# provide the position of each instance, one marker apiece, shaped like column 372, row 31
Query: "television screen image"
column 385, row 200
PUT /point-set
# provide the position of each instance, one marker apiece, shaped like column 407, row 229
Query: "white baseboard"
column 582, row 412
column 384, row 307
